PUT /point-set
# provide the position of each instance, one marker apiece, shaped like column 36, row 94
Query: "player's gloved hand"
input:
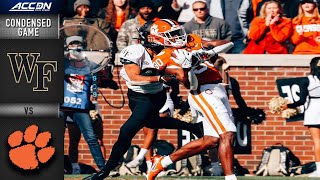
column 168, row 79
column 182, row 57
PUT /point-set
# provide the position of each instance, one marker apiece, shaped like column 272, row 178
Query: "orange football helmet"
column 167, row 32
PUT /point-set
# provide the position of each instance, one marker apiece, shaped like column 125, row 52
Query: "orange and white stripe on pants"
column 213, row 105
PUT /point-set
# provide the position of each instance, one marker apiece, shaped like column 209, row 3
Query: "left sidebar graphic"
column 31, row 90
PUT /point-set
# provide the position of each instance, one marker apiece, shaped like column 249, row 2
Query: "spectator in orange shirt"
column 269, row 31
column 118, row 11
column 306, row 28
column 290, row 7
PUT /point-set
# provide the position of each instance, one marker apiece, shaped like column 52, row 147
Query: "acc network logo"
column 31, row 6
column 28, row 64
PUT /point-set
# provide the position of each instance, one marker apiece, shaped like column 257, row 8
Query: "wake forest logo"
column 33, row 69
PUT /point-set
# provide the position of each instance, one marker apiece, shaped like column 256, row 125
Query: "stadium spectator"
column 306, row 32
column 118, row 11
column 82, row 9
column 268, row 32
column 238, row 14
column 206, row 26
column 128, row 33
column 290, row 7
column 310, row 92
column 167, row 9
column 186, row 13
column 67, row 9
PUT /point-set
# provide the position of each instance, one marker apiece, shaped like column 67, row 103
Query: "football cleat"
column 156, row 167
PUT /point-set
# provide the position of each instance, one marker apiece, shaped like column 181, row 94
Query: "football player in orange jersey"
column 174, row 37
column 208, row 99
column 171, row 35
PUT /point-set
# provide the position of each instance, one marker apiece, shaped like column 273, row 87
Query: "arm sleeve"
column 226, row 31
column 122, row 39
column 296, row 38
column 245, row 15
column 257, row 29
column 303, row 94
column 104, row 26
column 187, row 27
column 281, row 34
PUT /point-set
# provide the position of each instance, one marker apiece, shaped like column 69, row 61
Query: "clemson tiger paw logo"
column 30, row 148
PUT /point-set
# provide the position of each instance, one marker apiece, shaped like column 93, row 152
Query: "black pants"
column 145, row 112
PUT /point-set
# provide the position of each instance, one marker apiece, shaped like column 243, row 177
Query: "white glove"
column 183, row 58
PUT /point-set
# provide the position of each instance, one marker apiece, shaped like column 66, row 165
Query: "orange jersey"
column 207, row 74
column 162, row 60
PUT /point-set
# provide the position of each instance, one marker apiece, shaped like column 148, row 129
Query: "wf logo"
column 29, row 65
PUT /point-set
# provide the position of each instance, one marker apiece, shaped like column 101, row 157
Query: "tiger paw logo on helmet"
column 167, row 32
column 30, row 148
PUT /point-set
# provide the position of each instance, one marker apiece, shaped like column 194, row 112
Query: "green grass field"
column 79, row 177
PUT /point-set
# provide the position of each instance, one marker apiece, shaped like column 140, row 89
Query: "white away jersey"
column 137, row 54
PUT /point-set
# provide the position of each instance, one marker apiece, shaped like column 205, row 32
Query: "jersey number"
column 157, row 63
